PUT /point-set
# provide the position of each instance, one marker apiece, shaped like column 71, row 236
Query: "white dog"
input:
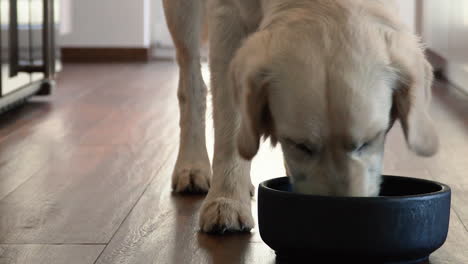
column 324, row 78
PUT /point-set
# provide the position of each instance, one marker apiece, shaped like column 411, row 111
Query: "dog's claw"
column 191, row 180
column 223, row 230
column 219, row 230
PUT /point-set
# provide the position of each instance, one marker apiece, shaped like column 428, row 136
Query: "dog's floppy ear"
column 413, row 94
column 251, row 80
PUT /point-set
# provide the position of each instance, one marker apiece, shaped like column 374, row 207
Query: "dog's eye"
column 356, row 148
column 362, row 147
column 300, row 146
column 306, row 149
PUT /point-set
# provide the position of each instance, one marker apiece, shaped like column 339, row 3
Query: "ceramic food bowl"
column 405, row 224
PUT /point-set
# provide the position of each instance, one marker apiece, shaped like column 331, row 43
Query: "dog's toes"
column 223, row 215
column 191, row 181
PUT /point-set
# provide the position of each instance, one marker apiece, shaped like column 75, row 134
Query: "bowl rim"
column 444, row 189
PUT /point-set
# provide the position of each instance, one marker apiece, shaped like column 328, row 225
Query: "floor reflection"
column 192, row 246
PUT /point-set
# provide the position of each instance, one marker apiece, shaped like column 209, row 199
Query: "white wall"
column 159, row 32
column 108, row 23
column 160, row 35
column 445, row 30
column 436, row 26
column 446, row 27
column 408, row 12
column 65, row 16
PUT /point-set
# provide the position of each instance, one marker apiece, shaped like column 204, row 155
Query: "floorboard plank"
column 455, row 250
column 460, row 202
column 49, row 254
column 163, row 228
column 83, row 194
column 42, row 127
column 73, row 83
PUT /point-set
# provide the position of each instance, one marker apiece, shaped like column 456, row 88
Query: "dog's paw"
column 191, row 178
column 221, row 215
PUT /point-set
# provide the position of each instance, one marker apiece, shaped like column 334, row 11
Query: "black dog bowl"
column 405, row 224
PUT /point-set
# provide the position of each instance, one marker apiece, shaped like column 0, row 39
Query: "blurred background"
column 119, row 30
column 443, row 26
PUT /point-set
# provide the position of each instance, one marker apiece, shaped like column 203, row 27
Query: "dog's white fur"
column 324, row 78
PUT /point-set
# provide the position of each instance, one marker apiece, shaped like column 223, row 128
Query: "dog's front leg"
column 227, row 206
column 192, row 171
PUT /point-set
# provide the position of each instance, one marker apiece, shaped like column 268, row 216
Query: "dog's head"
column 329, row 95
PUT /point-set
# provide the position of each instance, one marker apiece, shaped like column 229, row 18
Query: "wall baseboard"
column 457, row 74
column 163, row 52
column 160, row 52
column 103, row 54
column 438, row 62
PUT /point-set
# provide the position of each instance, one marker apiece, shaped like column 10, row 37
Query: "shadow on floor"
column 23, row 113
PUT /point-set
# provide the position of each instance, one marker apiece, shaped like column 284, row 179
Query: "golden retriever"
column 325, row 79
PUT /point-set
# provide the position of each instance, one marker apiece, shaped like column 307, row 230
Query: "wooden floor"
column 85, row 174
